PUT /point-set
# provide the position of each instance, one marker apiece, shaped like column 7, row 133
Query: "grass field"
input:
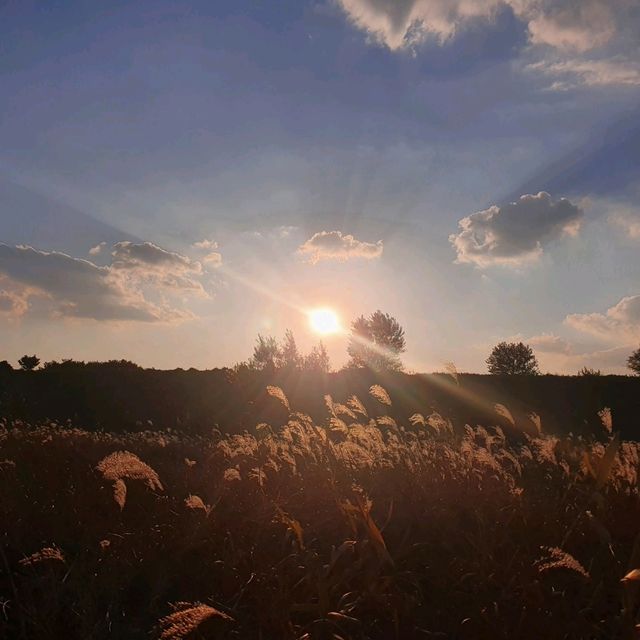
column 354, row 528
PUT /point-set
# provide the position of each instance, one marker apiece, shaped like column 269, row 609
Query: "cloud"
column 573, row 72
column 619, row 324
column 576, row 25
column 402, row 24
column 151, row 263
column 75, row 287
column 516, row 233
column 548, row 343
column 12, row 303
column 213, row 259
column 205, row 245
column 609, row 360
column 94, row 251
column 285, row 231
column 333, row 245
column 557, row 355
column 628, row 221
column 556, row 29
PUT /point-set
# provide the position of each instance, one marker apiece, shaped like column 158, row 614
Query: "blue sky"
column 358, row 154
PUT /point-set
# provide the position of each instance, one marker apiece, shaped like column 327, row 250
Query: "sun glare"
column 324, row 321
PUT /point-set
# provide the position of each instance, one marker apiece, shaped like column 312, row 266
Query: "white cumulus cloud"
column 333, row 245
column 618, row 324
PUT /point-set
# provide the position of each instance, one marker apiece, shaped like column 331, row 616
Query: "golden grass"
column 354, row 527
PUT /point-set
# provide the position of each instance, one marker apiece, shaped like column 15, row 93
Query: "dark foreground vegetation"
column 121, row 396
column 351, row 526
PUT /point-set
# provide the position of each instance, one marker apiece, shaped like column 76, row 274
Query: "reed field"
column 352, row 528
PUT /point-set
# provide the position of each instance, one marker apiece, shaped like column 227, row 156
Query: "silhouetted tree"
column 289, row 357
column 376, row 342
column 29, row 363
column 588, row 371
column 512, row 358
column 633, row 361
column 5, row 367
column 318, row 359
column 266, row 354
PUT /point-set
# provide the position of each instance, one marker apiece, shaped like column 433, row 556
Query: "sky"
column 179, row 177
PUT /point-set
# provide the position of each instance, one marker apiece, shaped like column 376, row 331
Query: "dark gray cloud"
column 515, row 233
column 333, row 245
column 78, row 288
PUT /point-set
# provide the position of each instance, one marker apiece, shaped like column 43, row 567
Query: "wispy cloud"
column 628, row 220
column 12, row 303
column 205, row 245
column 516, row 233
column 333, row 245
column 549, row 343
column 97, row 250
column 573, row 72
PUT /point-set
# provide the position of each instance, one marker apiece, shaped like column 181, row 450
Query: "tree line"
column 375, row 342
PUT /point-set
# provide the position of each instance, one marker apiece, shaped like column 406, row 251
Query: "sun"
column 324, row 321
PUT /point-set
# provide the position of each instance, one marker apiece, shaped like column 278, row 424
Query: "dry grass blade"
column 189, row 618
column 121, row 465
column 417, row 419
column 606, row 419
column 439, row 424
column 337, row 409
column 605, row 465
column 343, row 410
column 451, row 370
column 263, row 430
column 374, row 533
column 501, row 410
column 632, row 576
column 380, row 394
column 557, row 559
column 124, row 464
column 355, row 405
column 328, row 400
column 195, row 503
column 535, row 418
column 232, row 475
column 46, row 554
column 292, row 524
column 279, row 394
column 338, row 425
column 387, row 421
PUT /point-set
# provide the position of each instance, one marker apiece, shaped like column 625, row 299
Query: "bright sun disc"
column 324, row 321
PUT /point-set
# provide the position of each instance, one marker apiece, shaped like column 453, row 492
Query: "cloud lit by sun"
column 324, row 321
